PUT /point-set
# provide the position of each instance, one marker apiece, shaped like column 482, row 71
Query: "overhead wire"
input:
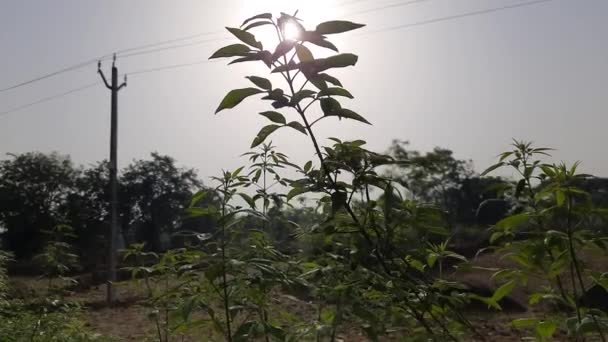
column 397, row 27
column 129, row 52
column 457, row 16
column 50, row 98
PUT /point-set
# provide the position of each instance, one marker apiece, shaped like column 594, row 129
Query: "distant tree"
column 431, row 177
column 89, row 213
column 439, row 178
column 156, row 193
column 34, row 188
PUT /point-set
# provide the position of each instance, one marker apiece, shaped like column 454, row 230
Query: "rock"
column 595, row 297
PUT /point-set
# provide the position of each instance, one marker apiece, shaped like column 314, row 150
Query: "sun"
column 291, row 31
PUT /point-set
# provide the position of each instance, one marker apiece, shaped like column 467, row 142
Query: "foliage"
column 546, row 237
column 34, row 188
column 370, row 234
column 58, row 259
column 155, row 193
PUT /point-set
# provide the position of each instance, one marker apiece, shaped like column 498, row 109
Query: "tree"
column 34, row 188
column 155, row 193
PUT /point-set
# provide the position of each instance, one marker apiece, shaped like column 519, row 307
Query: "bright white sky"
column 470, row 84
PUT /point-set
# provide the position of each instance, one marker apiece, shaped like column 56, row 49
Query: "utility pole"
column 114, row 87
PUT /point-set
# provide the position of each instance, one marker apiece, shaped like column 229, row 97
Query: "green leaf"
column 260, row 82
column 328, row 314
column 296, row 191
column 245, row 37
column 503, row 290
column 337, row 26
column 274, row 117
column 330, row 105
column 233, row 50
column 307, row 166
column 298, row 127
column 546, row 329
column 560, row 198
column 431, row 259
column 248, row 199
column 236, row 96
column 263, row 134
column 513, row 221
column 349, row 114
column 333, row 91
column 267, row 16
column 492, row 168
column 524, row 322
column 304, row 54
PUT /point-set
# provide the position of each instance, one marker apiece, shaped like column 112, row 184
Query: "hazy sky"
column 470, row 84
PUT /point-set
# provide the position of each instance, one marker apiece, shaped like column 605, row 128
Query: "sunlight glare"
column 291, row 31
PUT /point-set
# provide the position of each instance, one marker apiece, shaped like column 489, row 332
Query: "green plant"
column 546, row 236
column 58, row 258
column 371, row 230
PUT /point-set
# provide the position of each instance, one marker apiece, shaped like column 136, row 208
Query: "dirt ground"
column 128, row 319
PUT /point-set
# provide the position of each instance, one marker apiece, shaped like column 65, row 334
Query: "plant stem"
column 224, row 282
column 577, row 268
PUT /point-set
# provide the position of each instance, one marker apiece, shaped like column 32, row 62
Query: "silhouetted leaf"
column 267, row 16
column 260, row 82
column 299, row 96
column 335, row 92
column 286, row 67
column 349, row 114
column 283, row 48
column 325, row 44
column 232, row 51
column 337, row 26
column 256, row 24
column 274, row 117
column 236, row 96
column 297, row 126
column 245, row 37
column 248, row 199
column 304, row 55
column 338, row 61
column 263, row 134
column 492, row 168
column 264, row 56
column 330, row 105
column 330, row 79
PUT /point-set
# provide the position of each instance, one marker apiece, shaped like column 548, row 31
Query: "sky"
column 470, row 84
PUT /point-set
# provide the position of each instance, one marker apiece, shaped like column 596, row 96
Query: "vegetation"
column 376, row 247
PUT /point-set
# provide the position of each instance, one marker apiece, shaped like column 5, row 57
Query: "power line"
column 399, row 4
column 128, row 52
column 87, row 86
column 170, row 47
column 50, row 98
column 60, row 71
column 172, row 66
column 168, row 67
column 107, row 56
column 457, row 16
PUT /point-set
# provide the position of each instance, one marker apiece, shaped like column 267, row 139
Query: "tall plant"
column 347, row 178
